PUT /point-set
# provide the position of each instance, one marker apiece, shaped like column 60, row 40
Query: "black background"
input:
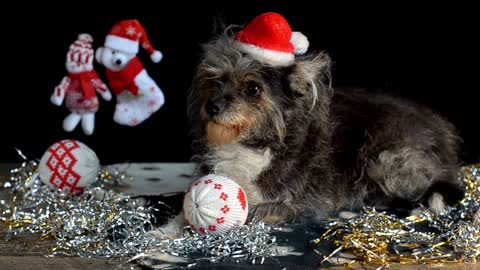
column 424, row 53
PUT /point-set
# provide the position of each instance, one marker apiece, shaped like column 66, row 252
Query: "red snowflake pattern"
column 202, row 230
column 61, row 164
column 224, row 196
column 197, row 183
column 208, row 181
column 225, row 209
column 152, row 102
column 152, row 89
column 241, row 198
column 212, row 228
column 218, row 186
column 220, row 220
column 134, row 121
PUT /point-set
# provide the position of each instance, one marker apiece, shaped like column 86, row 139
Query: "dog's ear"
column 307, row 73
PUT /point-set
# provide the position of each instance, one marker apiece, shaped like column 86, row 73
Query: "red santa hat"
column 269, row 39
column 127, row 35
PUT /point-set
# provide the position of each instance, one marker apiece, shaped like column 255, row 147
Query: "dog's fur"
column 300, row 149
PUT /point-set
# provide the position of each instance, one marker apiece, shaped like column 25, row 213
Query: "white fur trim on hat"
column 156, row 56
column 85, row 37
column 121, row 44
column 300, row 42
column 274, row 58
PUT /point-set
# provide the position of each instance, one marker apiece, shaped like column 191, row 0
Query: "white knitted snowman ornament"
column 215, row 204
column 78, row 88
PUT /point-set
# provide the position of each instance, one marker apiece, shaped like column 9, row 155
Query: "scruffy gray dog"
column 263, row 113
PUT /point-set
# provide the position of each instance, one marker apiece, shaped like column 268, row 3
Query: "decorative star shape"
column 131, row 31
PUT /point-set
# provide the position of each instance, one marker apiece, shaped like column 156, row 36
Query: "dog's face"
column 237, row 98
column 113, row 59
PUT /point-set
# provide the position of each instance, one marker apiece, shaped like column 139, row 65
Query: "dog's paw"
column 417, row 211
column 272, row 219
column 436, row 203
column 155, row 234
column 347, row 215
column 173, row 229
column 270, row 212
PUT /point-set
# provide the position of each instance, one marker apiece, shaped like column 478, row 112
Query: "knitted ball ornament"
column 215, row 204
column 269, row 39
column 69, row 165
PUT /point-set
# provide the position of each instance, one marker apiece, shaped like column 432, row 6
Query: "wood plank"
column 69, row 263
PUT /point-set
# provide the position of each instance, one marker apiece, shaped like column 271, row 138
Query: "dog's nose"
column 215, row 106
column 118, row 62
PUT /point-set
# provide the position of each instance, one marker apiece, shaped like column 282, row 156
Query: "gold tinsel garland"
column 377, row 238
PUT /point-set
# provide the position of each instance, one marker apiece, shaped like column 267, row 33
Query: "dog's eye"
column 253, row 89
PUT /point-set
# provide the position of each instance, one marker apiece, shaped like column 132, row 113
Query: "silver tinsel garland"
column 99, row 222
column 103, row 223
column 251, row 242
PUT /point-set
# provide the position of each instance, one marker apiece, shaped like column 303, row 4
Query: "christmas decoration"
column 79, row 86
column 103, row 223
column 69, row 165
column 138, row 96
column 215, row 204
column 269, row 38
column 247, row 244
column 97, row 223
column 378, row 238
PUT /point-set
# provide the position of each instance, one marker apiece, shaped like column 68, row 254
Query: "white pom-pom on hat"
column 156, row 56
column 85, row 38
column 300, row 43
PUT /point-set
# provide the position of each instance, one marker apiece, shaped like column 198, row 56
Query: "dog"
column 271, row 121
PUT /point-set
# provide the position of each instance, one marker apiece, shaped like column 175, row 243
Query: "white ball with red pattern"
column 69, row 165
column 215, row 204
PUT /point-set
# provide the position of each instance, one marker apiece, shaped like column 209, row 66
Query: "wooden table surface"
column 16, row 255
